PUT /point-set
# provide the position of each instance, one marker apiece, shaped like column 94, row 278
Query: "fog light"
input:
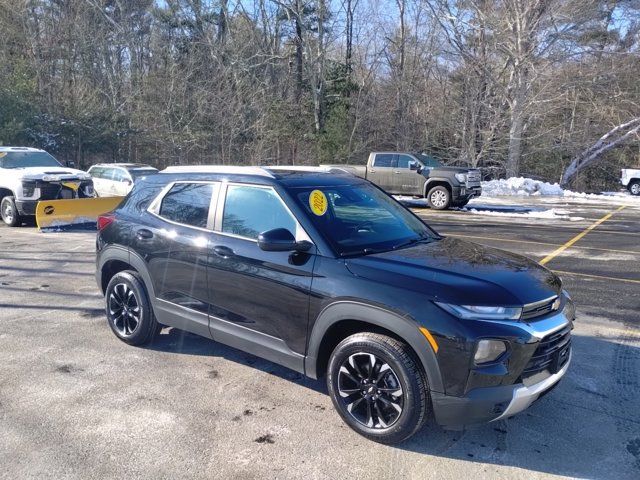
column 488, row 351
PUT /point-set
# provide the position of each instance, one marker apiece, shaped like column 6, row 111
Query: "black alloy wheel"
column 124, row 309
column 378, row 387
column 128, row 309
column 370, row 390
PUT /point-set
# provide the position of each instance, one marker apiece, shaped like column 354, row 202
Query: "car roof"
column 290, row 176
column 124, row 165
column 20, row 149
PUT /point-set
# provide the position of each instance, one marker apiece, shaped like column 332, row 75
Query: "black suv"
column 328, row 275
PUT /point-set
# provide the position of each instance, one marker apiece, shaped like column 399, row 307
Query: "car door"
column 381, row 171
column 259, row 300
column 407, row 181
column 176, row 246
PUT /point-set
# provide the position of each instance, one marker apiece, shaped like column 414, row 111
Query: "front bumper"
column 466, row 193
column 26, row 207
column 489, row 404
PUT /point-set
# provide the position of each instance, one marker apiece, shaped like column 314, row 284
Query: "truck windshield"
column 361, row 219
column 27, row 159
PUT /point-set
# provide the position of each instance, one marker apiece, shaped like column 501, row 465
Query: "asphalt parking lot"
column 77, row 403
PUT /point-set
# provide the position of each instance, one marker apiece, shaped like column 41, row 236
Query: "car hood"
column 56, row 173
column 456, row 271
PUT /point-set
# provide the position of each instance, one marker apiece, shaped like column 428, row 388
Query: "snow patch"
column 550, row 214
column 524, row 187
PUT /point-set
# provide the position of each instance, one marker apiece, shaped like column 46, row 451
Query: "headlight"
column 475, row 312
column 28, row 189
column 461, row 177
column 489, row 351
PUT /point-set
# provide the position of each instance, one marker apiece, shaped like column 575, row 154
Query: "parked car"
column 28, row 175
column 416, row 174
column 117, row 179
column 631, row 180
column 328, row 275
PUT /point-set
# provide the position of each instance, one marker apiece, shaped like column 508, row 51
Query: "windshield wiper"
column 413, row 241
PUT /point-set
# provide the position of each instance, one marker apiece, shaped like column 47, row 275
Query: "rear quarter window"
column 383, row 160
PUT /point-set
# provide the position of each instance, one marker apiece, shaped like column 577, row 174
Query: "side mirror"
column 415, row 166
column 128, row 182
column 70, row 164
column 281, row 240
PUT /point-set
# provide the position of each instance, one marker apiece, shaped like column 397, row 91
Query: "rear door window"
column 189, row 204
column 250, row 210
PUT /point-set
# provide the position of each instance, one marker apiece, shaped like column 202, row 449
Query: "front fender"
column 402, row 326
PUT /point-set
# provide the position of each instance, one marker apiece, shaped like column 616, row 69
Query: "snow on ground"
column 523, row 187
column 549, row 214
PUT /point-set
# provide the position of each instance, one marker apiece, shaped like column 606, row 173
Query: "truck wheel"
column 9, row 212
column 129, row 311
column 634, row 187
column 378, row 387
column 439, row 198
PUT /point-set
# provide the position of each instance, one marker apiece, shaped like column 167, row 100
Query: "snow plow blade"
column 74, row 214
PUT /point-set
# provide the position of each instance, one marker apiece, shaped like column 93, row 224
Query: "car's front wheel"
column 634, row 187
column 378, row 387
column 9, row 212
column 129, row 311
column 439, row 198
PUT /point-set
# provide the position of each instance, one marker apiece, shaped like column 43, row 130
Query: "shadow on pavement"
column 588, row 427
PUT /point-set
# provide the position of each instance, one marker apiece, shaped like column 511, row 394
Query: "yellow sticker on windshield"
column 318, row 202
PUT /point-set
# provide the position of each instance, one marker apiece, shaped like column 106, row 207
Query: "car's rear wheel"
column 439, row 198
column 634, row 187
column 128, row 309
column 9, row 212
column 378, row 387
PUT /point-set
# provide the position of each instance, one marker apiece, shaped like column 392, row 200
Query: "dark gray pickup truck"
column 416, row 174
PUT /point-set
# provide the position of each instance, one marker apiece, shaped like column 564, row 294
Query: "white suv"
column 117, row 179
column 28, row 175
column 631, row 179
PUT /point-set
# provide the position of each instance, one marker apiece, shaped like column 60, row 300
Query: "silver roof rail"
column 231, row 169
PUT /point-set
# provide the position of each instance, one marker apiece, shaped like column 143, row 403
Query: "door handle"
column 144, row 234
column 222, row 251
column 397, row 172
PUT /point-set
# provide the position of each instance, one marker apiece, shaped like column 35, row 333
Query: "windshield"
column 428, row 161
column 360, row 219
column 142, row 172
column 27, row 159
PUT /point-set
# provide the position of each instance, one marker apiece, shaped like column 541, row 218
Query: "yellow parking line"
column 597, row 277
column 558, row 251
column 540, row 243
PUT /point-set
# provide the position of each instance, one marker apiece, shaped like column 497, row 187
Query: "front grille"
column 49, row 191
column 473, row 178
column 551, row 354
column 538, row 309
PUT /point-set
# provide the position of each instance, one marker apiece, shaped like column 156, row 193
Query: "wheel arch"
column 438, row 182
column 115, row 259
column 344, row 318
column 6, row 192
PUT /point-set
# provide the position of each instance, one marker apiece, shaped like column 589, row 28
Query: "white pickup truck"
column 631, row 179
column 28, row 175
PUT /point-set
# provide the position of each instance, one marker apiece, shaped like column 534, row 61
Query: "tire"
column 365, row 408
column 634, row 187
column 129, row 312
column 439, row 198
column 9, row 212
